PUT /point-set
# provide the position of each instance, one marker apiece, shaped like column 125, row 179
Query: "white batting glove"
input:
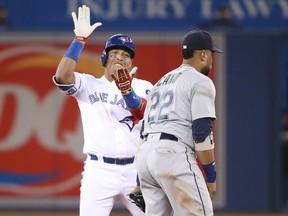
column 83, row 29
column 133, row 71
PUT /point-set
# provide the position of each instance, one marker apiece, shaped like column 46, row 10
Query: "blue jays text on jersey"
column 102, row 97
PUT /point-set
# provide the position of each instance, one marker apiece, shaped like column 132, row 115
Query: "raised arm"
column 83, row 30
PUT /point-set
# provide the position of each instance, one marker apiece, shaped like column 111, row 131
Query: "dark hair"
column 187, row 54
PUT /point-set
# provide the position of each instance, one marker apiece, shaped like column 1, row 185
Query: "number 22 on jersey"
column 159, row 109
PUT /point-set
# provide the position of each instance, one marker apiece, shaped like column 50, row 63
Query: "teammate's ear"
column 202, row 55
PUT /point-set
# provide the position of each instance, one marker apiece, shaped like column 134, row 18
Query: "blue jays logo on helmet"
column 118, row 41
column 125, row 39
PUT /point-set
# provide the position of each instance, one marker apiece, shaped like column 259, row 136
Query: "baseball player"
column 110, row 107
column 178, row 129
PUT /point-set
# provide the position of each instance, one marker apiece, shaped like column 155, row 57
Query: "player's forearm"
column 206, row 157
column 67, row 65
column 64, row 73
column 138, row 112
column 135, row 104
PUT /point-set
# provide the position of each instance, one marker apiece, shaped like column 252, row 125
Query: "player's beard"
column 205, row 70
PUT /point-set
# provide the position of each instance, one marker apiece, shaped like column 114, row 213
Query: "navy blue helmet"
column 118, row 41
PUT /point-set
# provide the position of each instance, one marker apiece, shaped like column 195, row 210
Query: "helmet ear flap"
column 104, row 58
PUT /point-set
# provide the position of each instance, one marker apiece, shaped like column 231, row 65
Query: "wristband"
column 210, row 172
column 74, row 50
column 81, row 39
column 132, row 100
column 139, row 112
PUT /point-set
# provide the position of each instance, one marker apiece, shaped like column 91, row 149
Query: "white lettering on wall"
column 257, row 7
column 25, row 115
column 176, row 9
column 284, row 7
column 131, row 9
column 40, row 118
column 246, row 8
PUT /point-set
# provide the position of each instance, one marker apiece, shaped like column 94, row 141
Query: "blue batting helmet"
column 118, row 41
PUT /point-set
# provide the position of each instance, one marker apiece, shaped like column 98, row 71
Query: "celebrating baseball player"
column 110, row 108
column 178, row 130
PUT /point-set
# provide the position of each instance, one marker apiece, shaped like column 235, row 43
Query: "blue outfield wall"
column 253, row 63
column 145, row 15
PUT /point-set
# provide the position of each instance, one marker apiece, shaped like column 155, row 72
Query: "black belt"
column 166, row 136
column 118, row 161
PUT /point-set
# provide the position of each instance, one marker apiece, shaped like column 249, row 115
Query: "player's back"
column 169, row 108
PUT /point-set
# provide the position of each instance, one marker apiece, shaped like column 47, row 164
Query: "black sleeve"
column 201, row 128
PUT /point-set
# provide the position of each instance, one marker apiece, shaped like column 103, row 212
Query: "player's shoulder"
column 84, row 75
column 197, row 76
column 87, row 77
column 140, row 80
column 142, row 87
column 197, row 81
column 143, row 82
column 205, row 84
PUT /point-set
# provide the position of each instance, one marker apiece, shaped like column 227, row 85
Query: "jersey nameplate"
column 170, row 78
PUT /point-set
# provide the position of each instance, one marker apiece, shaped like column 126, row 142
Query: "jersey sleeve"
column 141, row 87
column 201, row 128
column 69, row 89
column 203, row 100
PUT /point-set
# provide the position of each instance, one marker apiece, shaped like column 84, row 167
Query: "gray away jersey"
column 177, row 99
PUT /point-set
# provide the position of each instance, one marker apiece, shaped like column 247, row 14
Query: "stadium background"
column 40, row 129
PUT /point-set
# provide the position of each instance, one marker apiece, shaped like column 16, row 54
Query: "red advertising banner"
column 40, row 128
